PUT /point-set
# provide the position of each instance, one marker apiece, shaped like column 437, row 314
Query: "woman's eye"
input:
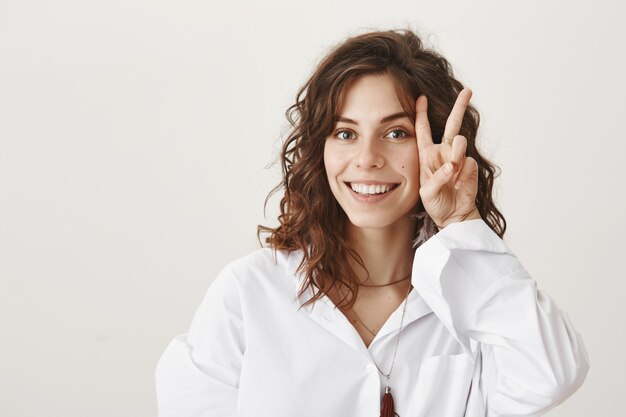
column 342, row 134
column 399, row 134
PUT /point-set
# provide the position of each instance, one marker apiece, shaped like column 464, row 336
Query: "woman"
column 386, row 289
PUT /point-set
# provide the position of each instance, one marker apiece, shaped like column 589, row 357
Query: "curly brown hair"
column 310, row 218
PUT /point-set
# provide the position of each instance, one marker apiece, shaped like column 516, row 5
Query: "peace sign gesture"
column 448, row 195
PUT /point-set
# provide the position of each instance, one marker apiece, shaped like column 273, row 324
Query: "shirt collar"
column 334, row 320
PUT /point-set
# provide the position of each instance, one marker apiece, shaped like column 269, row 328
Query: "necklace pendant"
column 387, row 409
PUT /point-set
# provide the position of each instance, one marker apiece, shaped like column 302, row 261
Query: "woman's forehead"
column 378, row 95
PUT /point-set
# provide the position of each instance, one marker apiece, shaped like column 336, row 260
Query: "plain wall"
column 135, row 137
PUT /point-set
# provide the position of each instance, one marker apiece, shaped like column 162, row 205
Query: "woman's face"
column 372, row 148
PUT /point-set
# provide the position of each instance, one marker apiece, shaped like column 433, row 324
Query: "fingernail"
column 447, row 168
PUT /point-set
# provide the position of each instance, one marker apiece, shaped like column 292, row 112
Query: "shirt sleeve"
column 198, row 374
column 533, row 358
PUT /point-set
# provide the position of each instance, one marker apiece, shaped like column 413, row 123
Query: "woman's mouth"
column 370, row 193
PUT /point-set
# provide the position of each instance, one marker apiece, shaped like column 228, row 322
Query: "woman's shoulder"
column 262, row 267
column 259, row 260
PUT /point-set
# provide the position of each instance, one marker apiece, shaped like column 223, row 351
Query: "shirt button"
column 327, row 317
column 371, row 368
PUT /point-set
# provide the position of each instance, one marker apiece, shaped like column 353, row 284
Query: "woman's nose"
column 369, row 154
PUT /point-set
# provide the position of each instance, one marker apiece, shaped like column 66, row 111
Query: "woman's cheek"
column 411, row 171
column 335, row 159
column 409, row 165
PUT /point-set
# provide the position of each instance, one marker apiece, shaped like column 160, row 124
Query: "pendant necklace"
column 387, row 408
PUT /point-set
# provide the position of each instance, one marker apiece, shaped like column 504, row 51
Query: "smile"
column 370, row 194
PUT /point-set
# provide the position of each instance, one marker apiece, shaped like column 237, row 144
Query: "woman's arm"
column 533, row 358
column 198, row 374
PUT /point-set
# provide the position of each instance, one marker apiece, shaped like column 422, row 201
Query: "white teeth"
column 370, row 189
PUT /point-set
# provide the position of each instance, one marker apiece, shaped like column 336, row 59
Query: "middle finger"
column 453, row 124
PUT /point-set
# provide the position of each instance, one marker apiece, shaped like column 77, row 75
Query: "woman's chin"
column 372, row 220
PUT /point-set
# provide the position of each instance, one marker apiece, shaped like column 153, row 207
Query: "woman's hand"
column 447, row 196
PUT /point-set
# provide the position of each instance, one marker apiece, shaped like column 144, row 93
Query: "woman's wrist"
column 473, row 215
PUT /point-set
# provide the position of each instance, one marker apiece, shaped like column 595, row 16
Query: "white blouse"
column 479, row 339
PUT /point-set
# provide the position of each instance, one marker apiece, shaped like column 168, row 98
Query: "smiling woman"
column 387, row 228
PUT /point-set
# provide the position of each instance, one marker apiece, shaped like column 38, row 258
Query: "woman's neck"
column 386, row 252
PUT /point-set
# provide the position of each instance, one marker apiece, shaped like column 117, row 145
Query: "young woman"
column 387, row 288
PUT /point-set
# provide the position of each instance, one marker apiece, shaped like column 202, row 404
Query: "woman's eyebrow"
column 385, row 119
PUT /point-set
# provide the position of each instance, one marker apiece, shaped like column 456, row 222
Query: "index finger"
column 453, row 124
column 422, row 125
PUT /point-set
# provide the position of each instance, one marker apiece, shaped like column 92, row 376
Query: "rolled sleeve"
column 198, row 374
column 533, row 358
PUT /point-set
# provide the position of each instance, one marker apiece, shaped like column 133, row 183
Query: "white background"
column 135, row 137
